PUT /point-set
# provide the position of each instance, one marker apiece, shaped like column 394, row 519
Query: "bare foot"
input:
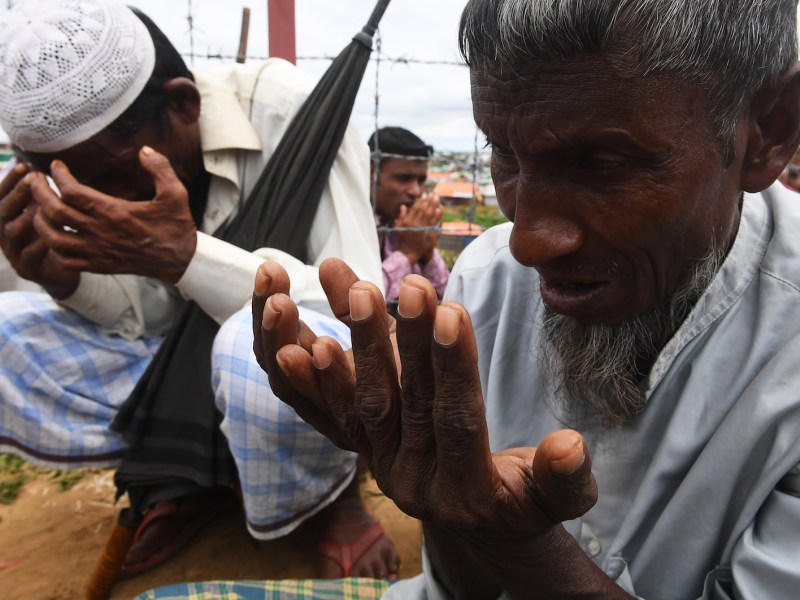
column 353, row 543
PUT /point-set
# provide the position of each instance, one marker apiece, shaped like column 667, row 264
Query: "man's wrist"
column 425, row 258
column 555, row 560
column 413, row 257
column 184, row 254
column 62, row 291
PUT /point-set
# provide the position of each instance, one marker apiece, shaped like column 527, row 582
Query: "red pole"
column 281, row 29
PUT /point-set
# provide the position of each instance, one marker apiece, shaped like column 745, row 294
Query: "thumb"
column 167, row 184
column 562, row 470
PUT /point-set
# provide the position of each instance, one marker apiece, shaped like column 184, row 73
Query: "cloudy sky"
column 431, row 100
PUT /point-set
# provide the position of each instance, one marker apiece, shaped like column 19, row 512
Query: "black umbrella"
column 169, row 422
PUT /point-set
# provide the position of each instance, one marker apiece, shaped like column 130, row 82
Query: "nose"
column 543, row 231
column 415, row 189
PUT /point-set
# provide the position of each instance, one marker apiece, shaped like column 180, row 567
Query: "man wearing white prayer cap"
column 147, row 161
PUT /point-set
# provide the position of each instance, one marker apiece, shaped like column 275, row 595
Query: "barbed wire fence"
column 379, row 59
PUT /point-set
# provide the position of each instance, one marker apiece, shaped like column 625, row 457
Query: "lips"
column 573, row 298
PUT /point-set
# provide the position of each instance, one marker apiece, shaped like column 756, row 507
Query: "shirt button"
column 593, row 547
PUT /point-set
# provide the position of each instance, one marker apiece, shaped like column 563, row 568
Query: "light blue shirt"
column 700, row 496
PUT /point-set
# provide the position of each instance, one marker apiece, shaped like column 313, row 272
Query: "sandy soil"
column 50, row 542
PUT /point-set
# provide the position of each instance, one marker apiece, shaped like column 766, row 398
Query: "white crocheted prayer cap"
column 68, row 69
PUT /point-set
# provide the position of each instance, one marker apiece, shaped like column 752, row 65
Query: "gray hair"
column 730, row 47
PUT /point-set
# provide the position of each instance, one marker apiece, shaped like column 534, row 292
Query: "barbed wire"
column 397, row 60
column 377, row 57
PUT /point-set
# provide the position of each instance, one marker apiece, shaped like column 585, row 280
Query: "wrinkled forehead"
column 583, row 69
column 586, row 84
column 586, row 100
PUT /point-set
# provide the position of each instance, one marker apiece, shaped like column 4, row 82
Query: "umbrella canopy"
column 170, row 422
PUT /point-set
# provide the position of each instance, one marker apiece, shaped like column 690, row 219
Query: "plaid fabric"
column 288, row 471
column 61, row 381
column 307, row 589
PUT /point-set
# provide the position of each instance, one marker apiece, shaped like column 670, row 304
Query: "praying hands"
column 423, row 433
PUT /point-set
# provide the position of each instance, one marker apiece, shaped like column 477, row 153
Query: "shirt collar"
column 737, row 271
column 224, row 128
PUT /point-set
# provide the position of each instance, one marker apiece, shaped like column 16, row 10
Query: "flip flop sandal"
column 347, row 555
column 197, row 510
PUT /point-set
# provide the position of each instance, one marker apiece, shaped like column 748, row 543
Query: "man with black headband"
column 399, row 170
column 607, row 403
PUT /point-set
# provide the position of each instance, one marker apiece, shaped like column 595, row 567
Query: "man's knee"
column 234, row 371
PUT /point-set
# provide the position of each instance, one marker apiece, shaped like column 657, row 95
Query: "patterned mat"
column 351, row 588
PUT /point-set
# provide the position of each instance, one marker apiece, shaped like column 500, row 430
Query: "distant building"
column 458, row 193
column 456, row 235
column 489, row 194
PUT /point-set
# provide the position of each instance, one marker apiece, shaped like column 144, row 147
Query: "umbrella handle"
column 375, row 18
column 107, row 570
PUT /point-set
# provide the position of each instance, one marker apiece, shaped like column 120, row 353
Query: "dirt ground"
column 50, row 542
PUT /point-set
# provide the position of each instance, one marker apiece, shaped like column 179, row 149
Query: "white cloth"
column 68, row 69
column 700, row 495
column 244, row 111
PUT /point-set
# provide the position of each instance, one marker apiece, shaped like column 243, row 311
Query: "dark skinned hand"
column 418, row 245
column 25, row 250
column 87, row 230
column 423, row 435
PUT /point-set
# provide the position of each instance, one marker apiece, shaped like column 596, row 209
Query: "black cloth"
column 170, row 422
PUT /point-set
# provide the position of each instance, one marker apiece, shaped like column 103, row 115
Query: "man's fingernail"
column 270, row 316
column 412, row 301
column 360, row 304
column 28, row 179
column 262, row 284
column 446, row 326
column 147, row 150
column 20, row 168
column 322, row 355
column 569, row 464
column 284, row 366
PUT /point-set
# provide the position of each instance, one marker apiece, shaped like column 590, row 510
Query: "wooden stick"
column 107, row 570
column 242, row 54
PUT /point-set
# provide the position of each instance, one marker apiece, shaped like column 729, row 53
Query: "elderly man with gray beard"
column 607, row 404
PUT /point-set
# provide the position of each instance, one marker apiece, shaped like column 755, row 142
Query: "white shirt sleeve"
column 125, row 305
column 220, row 276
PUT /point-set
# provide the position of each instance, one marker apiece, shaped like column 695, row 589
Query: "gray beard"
column 604, row 367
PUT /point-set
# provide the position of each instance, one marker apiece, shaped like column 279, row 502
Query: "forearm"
column 457, row 568
column 219, row 277
column 550, row 567
column 62, row 291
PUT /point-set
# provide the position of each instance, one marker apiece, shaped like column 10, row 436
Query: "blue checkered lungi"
column 285, row 466
column 63, row 378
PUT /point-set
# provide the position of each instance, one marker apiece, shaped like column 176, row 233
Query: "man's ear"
column 773, row 133
column 183, row 98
